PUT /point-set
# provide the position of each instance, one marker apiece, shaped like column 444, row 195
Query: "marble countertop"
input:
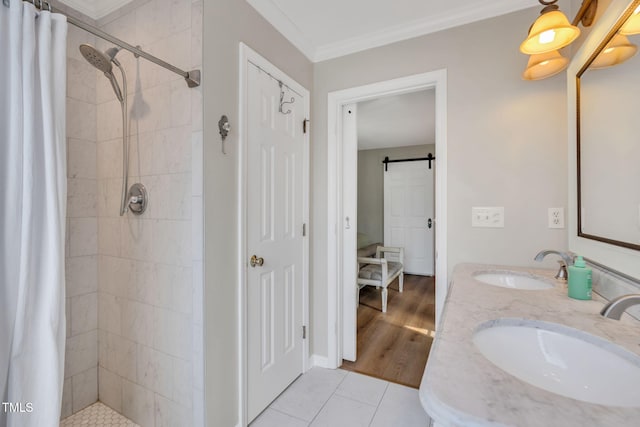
column 460, row 387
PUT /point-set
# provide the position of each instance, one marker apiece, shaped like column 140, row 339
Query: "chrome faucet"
column 567, row 260
column 617, row 306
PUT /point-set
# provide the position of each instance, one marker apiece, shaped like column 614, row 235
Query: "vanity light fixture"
column 549, row 33
column 617, row 51
column 545, row 65
column 632, row 26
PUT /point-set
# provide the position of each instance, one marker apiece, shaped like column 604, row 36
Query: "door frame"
column 336, row 100
column 247, row 56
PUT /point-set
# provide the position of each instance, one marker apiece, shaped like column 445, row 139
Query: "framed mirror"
column 608, row 136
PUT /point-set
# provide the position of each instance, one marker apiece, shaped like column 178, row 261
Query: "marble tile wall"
column 81, row 362
column 150, row 266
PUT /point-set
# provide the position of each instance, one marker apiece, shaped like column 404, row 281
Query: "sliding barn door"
column 409, row 214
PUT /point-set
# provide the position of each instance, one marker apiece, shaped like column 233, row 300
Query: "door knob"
column 429, row 223
column 256, row 261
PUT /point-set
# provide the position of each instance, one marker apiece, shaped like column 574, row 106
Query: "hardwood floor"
column 394, row 346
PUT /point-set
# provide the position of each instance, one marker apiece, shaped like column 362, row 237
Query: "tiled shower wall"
column 134, row 283
column 149, row 266
column 81, row 361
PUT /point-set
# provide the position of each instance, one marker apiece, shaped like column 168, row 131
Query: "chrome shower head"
column 103, row 62
column 96, row 58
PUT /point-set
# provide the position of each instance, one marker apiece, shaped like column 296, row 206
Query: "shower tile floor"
column 97, row 415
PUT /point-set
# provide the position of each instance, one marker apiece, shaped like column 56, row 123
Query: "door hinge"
column 305, row 125
column 304, row 332
column 304, row 230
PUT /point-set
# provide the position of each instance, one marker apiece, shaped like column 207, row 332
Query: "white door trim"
column 349, row 207
column 435, row 79
column 248, row 55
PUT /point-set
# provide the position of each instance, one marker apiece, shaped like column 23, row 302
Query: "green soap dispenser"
column 579, row 280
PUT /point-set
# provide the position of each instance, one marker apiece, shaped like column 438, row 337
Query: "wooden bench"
column 380, row 271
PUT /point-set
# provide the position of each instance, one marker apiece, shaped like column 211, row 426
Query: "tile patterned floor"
column 319, row 398
column 337, row 398
column 97, row 415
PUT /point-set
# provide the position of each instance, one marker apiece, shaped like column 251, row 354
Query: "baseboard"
column 319, row 361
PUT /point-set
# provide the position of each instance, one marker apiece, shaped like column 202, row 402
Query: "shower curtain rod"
column 192, row 77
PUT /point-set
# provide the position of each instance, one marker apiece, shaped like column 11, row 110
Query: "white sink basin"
column 562, row 360
column 512, row 280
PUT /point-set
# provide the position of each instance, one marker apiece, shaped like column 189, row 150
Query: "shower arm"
column 125, row 141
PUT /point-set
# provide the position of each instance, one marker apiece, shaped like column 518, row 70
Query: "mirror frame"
column 601, row 46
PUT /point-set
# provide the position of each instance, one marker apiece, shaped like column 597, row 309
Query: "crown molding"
column 276, row 17
column 480, row 10
column 95, row 9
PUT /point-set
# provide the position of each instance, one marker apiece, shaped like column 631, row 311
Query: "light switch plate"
column 556, row 217
column 489, row 217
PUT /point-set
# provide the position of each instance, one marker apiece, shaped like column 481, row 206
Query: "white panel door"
column 349, row 231
column 409, row 214
column 274, row 233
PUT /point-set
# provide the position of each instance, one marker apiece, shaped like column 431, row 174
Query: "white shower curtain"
column 32, row 214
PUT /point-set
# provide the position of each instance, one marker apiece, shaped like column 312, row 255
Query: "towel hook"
column 282, row 101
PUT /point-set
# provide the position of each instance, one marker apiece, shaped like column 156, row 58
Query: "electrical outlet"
column 556, row 217
column 487, row 217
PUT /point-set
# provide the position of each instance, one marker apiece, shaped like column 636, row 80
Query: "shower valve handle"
column 138, row 199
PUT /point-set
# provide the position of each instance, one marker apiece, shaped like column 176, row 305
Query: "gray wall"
column 371, row 186
column 506, row 142
column 229, row 22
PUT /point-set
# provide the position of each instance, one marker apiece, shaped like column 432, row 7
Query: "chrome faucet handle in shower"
column 138, row 199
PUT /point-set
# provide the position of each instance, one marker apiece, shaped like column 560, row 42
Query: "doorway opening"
column 342, row 238
column 395, row 139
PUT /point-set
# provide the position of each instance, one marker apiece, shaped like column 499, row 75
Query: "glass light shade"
column 551, row 31
column 632, row 26
column 545, row 65
column 616, row 52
